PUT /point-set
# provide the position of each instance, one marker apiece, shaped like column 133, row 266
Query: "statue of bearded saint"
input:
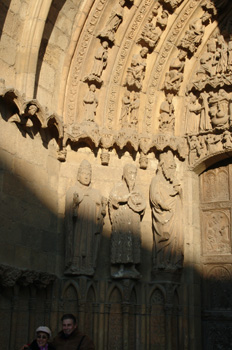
column 126, row 207
column 165, row 198
column 84, row 213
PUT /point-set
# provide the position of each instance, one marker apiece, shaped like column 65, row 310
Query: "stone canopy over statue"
column 84, row 214
column 126, row 207
column 165, row 198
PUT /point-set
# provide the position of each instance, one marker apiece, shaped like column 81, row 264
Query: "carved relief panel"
column 216, row 211
column 215, row 190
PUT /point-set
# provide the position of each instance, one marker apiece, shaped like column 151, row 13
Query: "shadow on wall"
column 163, row 310
column 49, row 26
column 4, row 7
column 188, row 311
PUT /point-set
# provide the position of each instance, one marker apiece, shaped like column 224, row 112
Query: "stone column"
column 96, row 309
column 14, row 316
column 147, row 329
column 32, row 315
column 102, row 327
column 138, row 309
column 168, row 325
column 81, row 312
column 125, row 315
column 107, row 312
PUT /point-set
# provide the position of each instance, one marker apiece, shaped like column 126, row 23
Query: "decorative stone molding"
column 10, row 275
column 29, row 114
column 25, row 114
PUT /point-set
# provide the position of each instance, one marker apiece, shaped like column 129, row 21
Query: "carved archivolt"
column 127, row 76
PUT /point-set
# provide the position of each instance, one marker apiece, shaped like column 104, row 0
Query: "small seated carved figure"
column 136, row 72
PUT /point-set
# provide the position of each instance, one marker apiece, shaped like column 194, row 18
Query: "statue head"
column 84, row 173
column 129, row 175
column 32, row 109
column 168, row 166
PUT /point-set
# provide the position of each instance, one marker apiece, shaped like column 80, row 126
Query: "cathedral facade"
column 115, row 171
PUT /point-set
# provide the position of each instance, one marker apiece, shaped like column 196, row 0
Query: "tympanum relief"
column 208, row 111
column 216, row 211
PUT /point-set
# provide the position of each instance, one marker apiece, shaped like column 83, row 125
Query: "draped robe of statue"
column 126, row 208
column 83, row 222
column 167, row 227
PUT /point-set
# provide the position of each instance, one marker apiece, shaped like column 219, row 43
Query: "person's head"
column 69, row 324
column 84, row 173
column 168, row 166
column 43, row 334
column 129, row 175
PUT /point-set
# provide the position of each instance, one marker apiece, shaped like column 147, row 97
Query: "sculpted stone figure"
column 125, row 111
column 222, row 55
column 165, row 197
column 136, row 72
column 193, row 36
column 167, row 118
column 90, row 102
column 126, row 207
column 84, row 214
column 193, row 115
column 219, row 108
column 173, row 3
column 151, row 33
column 100, row 63
column 113, row 22
column 205, row 123
column 174, row 77
column 134, row 110
column 208, row 61
column 229, row 62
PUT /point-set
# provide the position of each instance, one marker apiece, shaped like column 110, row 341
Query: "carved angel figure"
column 165, row 198
column 84, row 213
column 126, row 207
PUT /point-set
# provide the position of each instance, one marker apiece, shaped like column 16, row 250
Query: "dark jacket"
column 34, row 346
column 75, row 341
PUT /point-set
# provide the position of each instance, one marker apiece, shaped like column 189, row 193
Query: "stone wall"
column 142, row 83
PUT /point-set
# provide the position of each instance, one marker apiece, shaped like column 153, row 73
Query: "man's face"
column 68, row 326
column 84, row 177
column 169, row 171
column 130, row 176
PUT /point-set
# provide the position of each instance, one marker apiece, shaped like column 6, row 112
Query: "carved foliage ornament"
column 9, row 276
